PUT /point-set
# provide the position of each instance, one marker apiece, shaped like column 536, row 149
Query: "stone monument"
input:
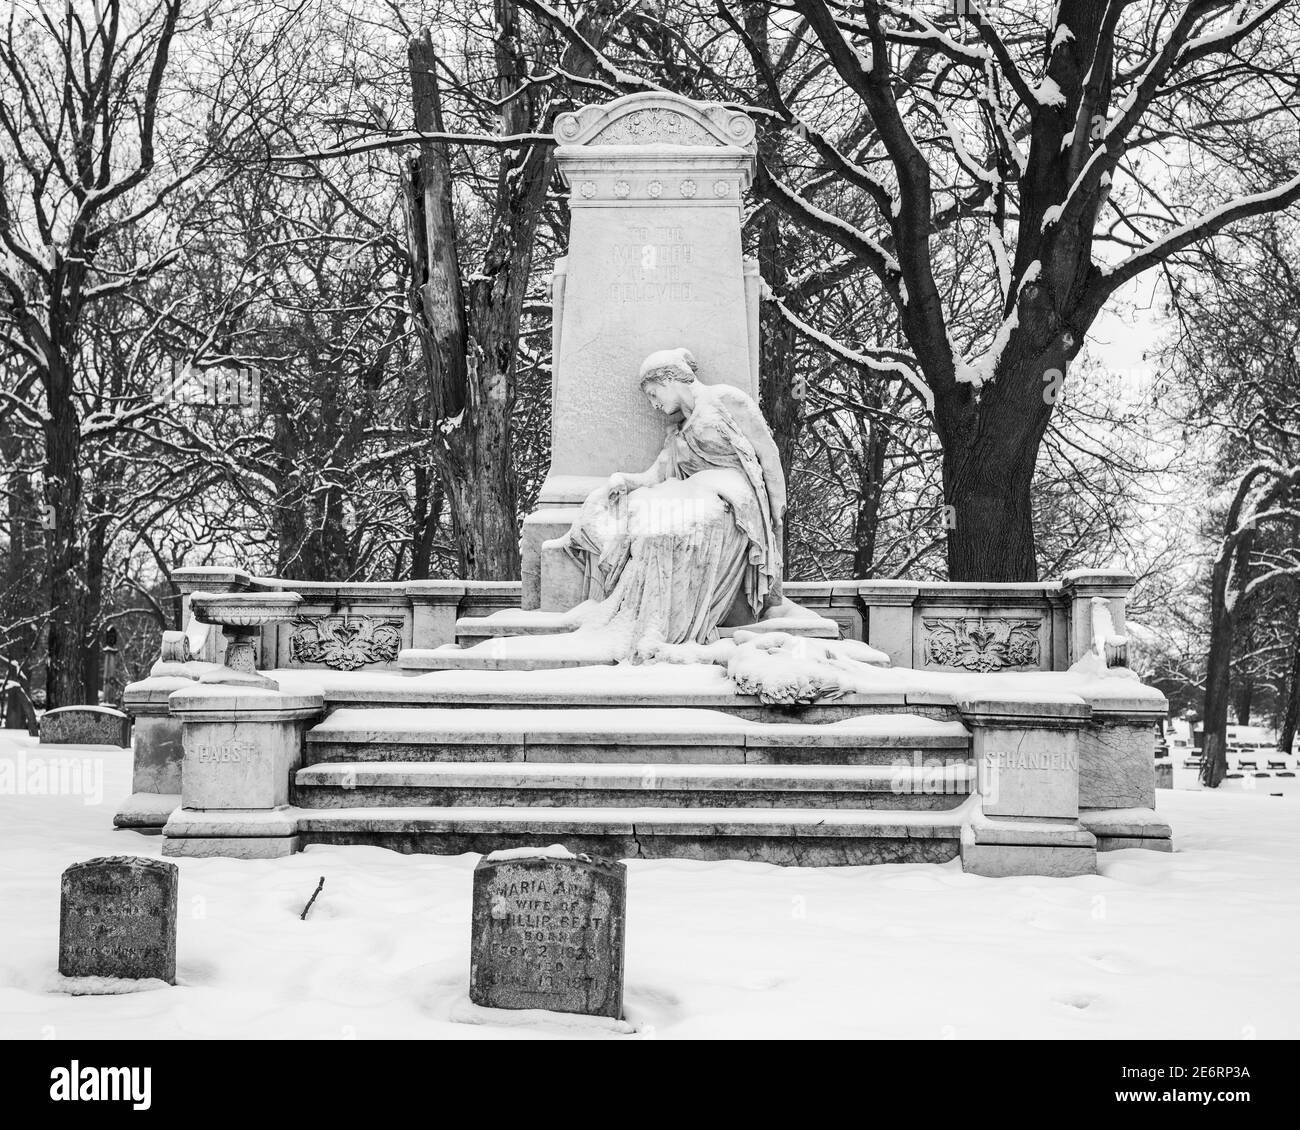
column 548, row 932
column 654, row 260
column 117, row 918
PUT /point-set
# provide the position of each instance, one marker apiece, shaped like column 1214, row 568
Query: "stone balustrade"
column 930, row 625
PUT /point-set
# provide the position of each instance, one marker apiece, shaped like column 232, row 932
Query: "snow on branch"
column 981, row 370
column 1183, row 236
column 883, row 363
column 415, row 137
column 845, row 234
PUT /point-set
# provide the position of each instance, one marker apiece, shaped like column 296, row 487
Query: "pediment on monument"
column 655, row 119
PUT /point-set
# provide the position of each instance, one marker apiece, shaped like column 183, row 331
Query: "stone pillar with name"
column 241, row 748
column 654, row 262
column 1026, row 752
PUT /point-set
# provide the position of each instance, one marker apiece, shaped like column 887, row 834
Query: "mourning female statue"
column 693, row 542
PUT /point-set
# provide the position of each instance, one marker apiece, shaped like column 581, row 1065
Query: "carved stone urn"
column 241, row 616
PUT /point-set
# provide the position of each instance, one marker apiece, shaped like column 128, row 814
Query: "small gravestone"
column 117, row 918
column 548, row 932
column 85, row 725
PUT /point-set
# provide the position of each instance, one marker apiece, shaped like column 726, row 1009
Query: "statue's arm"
column 658, row 471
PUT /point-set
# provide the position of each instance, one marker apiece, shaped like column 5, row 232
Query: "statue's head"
column 663, row 374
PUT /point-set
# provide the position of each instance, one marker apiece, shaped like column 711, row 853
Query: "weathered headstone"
column 117, row 918
column 85, row 725
column 548, row 932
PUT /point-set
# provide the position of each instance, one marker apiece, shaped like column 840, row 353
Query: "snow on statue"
column 672, row 549
column 672, row 554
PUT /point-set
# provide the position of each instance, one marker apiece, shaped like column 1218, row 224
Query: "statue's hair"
column 668, row 365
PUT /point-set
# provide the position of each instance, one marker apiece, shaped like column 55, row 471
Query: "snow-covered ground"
column 1200, row 943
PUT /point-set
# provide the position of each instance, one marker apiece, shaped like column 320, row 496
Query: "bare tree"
column 1027, row 135
column 469, row 322
column 1237, row 360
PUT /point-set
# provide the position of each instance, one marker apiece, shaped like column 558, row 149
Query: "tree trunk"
column 1291, row 719
column 1218, row 682
column 1244, row 699
column 20, row 598
column 871, row 471
column 986, row 482
column 472, row 386
column 96, row 551
column 779, row 391
column 427, row 512
column 990, row 438
column 65, row 669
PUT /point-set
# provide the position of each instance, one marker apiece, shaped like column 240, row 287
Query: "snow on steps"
column 645, row 782
column 645, row 735
column 808, row 837
column 626, row 687
column 609, row 785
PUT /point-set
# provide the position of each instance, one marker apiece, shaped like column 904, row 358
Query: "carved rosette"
column 345, row 643
column 981, row 643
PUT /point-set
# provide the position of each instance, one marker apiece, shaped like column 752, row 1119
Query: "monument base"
column 1000, row 848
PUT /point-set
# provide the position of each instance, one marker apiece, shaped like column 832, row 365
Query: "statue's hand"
column 618, row 485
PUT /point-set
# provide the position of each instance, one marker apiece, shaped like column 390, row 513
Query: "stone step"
column 547, row 652
column 648, row 735
column 471, row 630
column 626, row 686
column 360, row 784
column 796, row 836
column 511, row 622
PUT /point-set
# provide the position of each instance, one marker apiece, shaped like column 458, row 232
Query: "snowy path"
column 1201, row 943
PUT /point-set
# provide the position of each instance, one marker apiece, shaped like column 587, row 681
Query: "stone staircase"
column 644, row 782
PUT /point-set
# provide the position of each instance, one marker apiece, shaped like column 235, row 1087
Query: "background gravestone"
column 548, row 932
column 117, row 918
column 85, row 725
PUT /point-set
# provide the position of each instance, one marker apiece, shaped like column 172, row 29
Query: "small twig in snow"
column 303, row 916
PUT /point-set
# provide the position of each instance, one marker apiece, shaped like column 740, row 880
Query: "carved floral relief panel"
column 345, row 643
column 982, row 643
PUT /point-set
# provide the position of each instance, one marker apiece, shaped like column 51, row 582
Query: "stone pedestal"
column 157, row 753
column 241, row 748
column 1117, row 767
column 889, row 619
column 209, row 645
column 435, row 605
column 1026, row 753
column 1078, row 588
column 654, row 262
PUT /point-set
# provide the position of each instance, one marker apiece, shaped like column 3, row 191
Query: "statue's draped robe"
column 672, row 558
